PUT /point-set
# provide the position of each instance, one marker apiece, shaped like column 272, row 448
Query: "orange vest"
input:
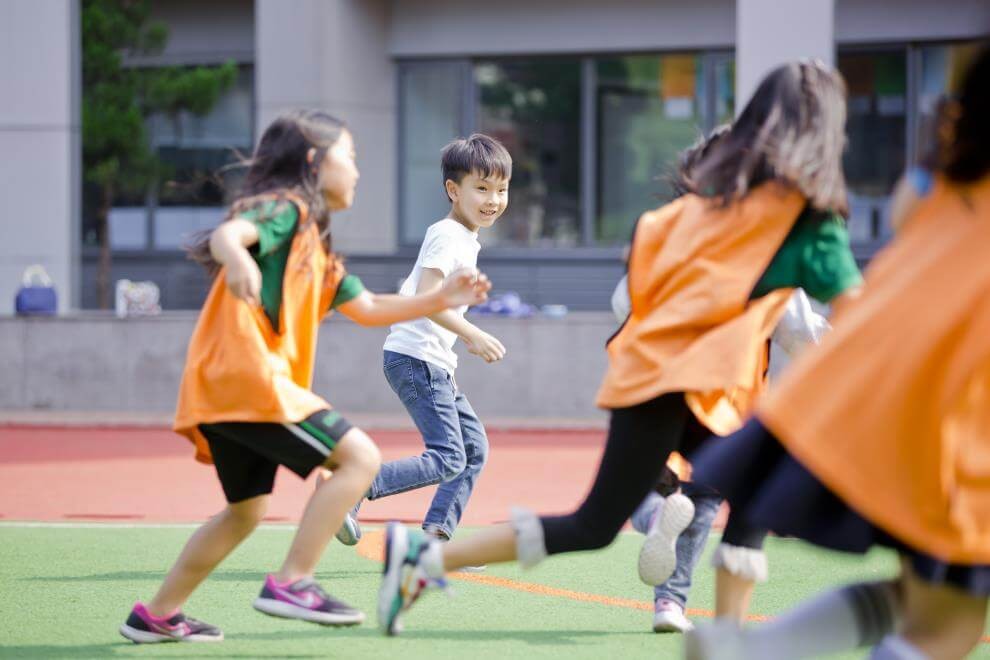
column 892, row 411
column 238, row 368
column 692, row 327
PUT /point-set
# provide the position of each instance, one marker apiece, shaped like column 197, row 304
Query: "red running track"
column 149, row 475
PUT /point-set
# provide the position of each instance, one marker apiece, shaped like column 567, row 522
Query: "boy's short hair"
column 477, row 153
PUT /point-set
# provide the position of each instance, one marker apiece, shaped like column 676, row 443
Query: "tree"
column 118, row 98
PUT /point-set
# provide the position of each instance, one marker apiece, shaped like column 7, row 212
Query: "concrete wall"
column 40, row 143
column 333, row 54
column 204, row 32
column 452, row 27
column 95, row 362
column 770, row 33
column 860, row 22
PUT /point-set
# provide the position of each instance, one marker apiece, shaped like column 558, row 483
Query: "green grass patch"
column 64, row 592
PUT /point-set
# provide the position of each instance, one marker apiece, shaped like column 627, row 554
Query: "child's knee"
column 356, row 451
column 453, row 461
column 248, row 513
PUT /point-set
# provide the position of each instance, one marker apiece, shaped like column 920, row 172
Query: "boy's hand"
column 484, row 345
column 466, row 287
column 244, row 279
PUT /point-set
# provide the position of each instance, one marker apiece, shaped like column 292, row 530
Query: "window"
column 194, row 151
column 649, row 109
column 431, row 99
column 533, row 108
column 877, row 137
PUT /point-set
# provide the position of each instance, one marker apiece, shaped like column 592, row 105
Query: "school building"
column 593, row 98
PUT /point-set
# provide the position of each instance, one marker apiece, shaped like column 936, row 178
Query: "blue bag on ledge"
column 36, row 297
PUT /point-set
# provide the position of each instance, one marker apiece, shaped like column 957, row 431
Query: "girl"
column 709, row 276
column 245, row 400
column 883, row 436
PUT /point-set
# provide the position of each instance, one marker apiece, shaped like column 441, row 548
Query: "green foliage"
column 118, row 97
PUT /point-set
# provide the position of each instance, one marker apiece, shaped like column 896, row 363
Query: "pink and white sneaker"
column 304, row 599
column 142, row 627
column 668, row 616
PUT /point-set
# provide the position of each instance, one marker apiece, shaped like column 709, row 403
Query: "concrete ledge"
column 95, row 367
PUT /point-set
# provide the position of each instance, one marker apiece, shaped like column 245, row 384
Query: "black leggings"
column 640, row 439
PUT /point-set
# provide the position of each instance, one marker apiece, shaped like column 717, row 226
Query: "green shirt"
column 815, row 256
column 276, row 223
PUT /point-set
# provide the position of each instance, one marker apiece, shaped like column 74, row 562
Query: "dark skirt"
column 769, row 489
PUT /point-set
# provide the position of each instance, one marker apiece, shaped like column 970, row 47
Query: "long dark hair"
column 280, row 165
column 963, row 143
column 792, row 130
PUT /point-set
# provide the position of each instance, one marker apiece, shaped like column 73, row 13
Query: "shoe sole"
column 472, row 569
column 285, row 610
column 148, row 637
column 389, row 598
column 670, row 627
column 658, row 556
column 350, row 532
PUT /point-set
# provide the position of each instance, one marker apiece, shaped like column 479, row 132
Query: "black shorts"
column 247, row 454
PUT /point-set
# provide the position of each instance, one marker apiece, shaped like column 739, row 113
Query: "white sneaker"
column 658, row 557
column 720, row 640
column 668, row 616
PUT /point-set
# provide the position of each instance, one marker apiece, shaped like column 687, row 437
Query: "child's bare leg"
column 941, row 621
column 354, row 462
column 732, row 595
column 206, row 548
column 494, row 545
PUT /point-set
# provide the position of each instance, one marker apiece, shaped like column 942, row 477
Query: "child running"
column 677, row 517
column 882, row 437
column 419, row 358
column 245, row 400
column 709, row 277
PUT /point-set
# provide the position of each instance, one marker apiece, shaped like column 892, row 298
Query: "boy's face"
column 478, row 202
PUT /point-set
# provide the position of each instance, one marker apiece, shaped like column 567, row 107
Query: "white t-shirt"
column 447, row 247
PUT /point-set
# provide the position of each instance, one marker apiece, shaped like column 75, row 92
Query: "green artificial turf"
column 64, row 591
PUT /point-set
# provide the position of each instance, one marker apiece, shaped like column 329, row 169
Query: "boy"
column 419, row 359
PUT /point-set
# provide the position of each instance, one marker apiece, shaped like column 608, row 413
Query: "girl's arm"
column 464, row 287
column 228, row 245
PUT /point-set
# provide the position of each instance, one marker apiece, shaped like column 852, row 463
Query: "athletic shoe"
column 720, row 640
column 658, row 557
column 668, row 616
column 304, row 599
column 404, row 579
column 143, row 628
column 350, row 531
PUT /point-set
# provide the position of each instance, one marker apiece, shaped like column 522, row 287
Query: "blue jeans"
column 456, row 443
column 691, row 542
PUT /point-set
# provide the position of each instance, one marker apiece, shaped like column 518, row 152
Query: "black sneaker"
column 143, row 628
column 305, row 599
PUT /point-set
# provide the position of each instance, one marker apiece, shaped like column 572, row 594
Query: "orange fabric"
column 892, row 412
column 692, row 327
column 238, row 368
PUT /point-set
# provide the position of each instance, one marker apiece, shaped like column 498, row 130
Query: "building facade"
column 592, row 98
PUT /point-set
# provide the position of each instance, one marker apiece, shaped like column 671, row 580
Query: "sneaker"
column 304, row 599
column 350, row 531
column 720, row 640
column 658, row 557
column 404, row 579
column 668, row 616
column 142, row 627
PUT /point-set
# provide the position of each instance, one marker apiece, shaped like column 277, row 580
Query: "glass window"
column 877, row 133
column 533, row 107
column 650, row 107
column 431, row 99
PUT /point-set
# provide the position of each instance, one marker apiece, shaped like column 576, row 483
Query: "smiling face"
column 478, row 201
column 339, row 174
